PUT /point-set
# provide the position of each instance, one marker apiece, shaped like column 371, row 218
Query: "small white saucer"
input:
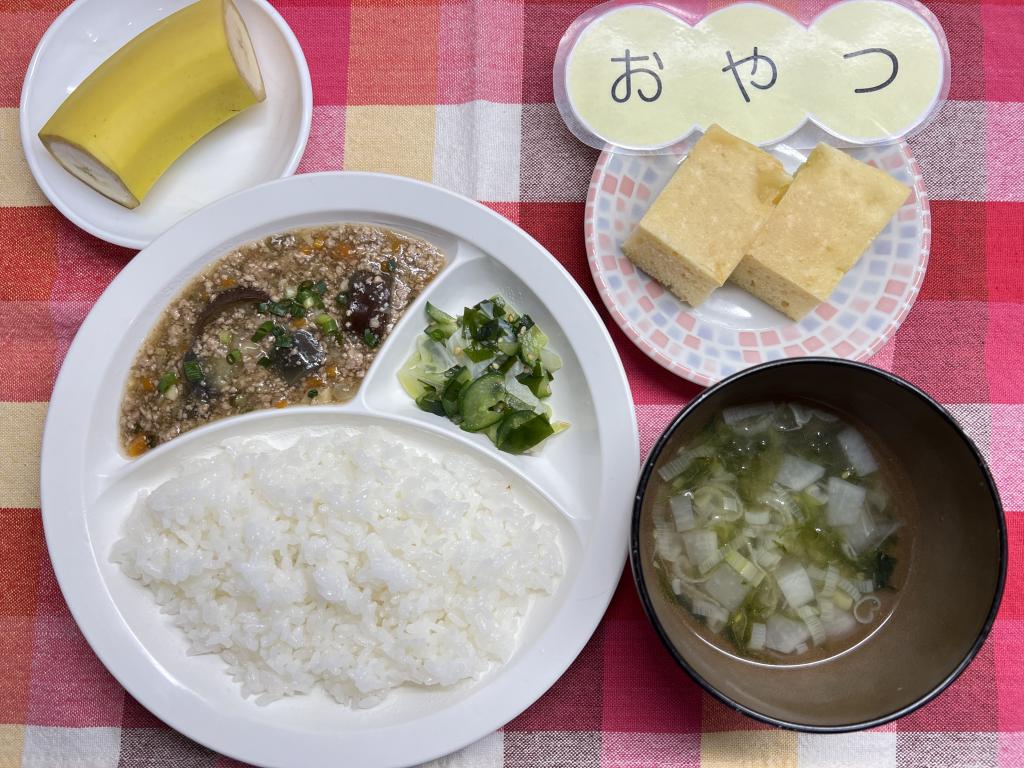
column 264, row 143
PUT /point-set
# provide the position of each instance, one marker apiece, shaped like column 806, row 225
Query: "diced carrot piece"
column 138, row 445
column 282, row 403
column 147, row 384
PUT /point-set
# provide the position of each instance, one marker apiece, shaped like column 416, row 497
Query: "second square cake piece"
column 829, row 215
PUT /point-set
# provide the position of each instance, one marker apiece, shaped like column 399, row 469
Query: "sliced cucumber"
column 439, row 315
column 508, row 347
column 487, row 370
column 537, row 380
column 531, row 342
column 450, row 396
column 440, row 332
column 551, row 361
column 408, row 377
column 481, row 402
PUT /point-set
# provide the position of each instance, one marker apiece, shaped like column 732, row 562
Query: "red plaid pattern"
column 468, row 83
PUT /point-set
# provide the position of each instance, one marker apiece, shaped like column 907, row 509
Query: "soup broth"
column 780, row 530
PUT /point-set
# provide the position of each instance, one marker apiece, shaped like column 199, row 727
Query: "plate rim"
column 679, row 368
column 69, row 211
column 75, row 559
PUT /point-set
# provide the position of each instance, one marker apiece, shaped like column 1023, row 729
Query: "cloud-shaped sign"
column 640, row 77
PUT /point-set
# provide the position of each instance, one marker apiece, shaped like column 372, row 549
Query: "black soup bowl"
column 951, row 586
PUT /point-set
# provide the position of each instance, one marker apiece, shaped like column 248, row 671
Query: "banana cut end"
column 240, row 45
column 84, row 166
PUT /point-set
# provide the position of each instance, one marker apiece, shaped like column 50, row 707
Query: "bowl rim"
column 638, row 579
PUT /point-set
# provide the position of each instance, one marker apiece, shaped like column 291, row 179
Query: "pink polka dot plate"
column 733, row 330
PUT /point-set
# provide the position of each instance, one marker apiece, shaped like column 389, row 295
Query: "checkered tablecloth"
column 459, row 93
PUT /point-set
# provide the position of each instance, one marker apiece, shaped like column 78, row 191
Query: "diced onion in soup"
column 857, row 451
column 801, row 413
column 758, row 516
column 700, row 545
column 673, row 468
column 739, row 414
column 784, row 635
column 758, row 633
column 838, row 624
column 814, row 625
column 682, row 512
column 794, row 583
column 715, row 615
column 845, row 502
column 727, row 586
column 667, row 546
column 861, row 534
column 719, row 500
column 796, row 473
column 818, row 493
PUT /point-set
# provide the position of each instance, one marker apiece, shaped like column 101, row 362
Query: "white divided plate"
column 733, row 330
column 584, row 479
column 263, row 143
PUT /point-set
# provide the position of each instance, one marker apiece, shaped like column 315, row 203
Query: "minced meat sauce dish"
column 295, row 318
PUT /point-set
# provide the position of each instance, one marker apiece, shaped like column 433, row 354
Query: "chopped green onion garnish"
column 319, row 288
column 234, row 356
column 371, row 338
column 263, row 330
column 167, row 381
column 341, row 299
column 193, row 371
column 265, row 362
column 326, row 324
column 312, row 394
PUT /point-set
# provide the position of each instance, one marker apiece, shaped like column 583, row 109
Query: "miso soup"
column 779, row 529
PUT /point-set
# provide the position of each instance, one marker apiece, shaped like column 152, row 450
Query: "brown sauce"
column 294, row 318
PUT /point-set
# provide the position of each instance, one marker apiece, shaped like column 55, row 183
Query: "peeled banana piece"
column 154, row 98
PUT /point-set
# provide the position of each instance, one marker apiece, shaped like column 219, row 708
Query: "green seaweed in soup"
column 776, row 529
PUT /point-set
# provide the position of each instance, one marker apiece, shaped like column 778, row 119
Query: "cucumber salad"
column 776, row 529
column 488, row 370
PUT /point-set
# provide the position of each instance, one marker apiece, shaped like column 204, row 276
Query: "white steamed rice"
column 349, row 560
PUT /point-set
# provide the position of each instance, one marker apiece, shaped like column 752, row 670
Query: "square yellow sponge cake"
column 834, row 208
column 693, row 236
